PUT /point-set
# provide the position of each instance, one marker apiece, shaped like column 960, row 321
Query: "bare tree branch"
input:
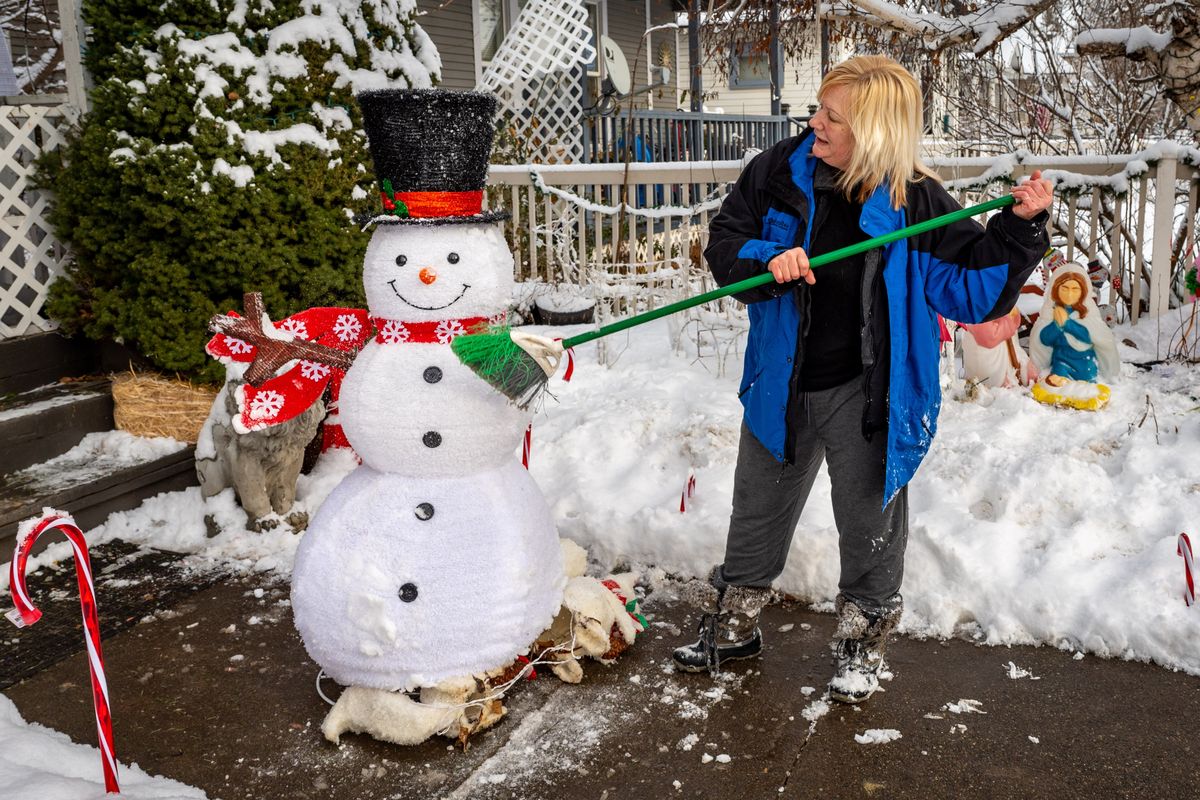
column 981, row 29
column 1173, row 58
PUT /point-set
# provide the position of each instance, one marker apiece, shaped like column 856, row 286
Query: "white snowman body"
column 403, row 582
column 438, row 557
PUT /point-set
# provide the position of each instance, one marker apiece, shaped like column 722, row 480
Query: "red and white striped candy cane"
column 527, row 445
column 1184, row 548
column 26, row 614
column 689, row 489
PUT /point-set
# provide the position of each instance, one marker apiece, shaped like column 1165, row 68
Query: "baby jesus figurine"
column 993, row 357
column 1071, row 345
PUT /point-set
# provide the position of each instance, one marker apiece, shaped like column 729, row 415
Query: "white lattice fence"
column 536, row 75
column 30, row 255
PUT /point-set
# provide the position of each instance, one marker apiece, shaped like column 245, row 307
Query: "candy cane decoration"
column 1184, row 548
column 689, row 489
column 27, row 614
column 527, row 445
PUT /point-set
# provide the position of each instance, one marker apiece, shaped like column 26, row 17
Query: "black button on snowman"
column 385, row 593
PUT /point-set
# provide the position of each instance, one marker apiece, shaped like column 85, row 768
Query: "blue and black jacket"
column 962, row 271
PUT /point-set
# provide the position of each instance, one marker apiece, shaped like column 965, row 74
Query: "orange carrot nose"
column 428, row 275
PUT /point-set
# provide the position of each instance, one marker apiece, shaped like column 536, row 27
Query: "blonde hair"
column 884, row 114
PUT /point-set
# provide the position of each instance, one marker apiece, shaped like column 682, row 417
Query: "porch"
column 682, row 135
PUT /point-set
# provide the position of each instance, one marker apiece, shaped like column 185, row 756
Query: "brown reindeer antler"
column 271, row 353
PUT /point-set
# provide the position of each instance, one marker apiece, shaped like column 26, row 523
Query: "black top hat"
column 431, row 149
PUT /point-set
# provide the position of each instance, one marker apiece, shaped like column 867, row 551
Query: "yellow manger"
column 1083, row 395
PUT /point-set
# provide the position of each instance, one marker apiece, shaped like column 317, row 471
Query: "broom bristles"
column 494, row 356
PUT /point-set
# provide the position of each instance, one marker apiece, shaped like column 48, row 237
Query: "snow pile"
column 1029, row 524
column 37, row 763
column 97, row 454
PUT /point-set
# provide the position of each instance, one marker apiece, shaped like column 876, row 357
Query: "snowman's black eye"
column 452, row 258
column 401, row 261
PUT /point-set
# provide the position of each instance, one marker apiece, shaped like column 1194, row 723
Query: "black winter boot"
column 858, row 647
column 729, row 633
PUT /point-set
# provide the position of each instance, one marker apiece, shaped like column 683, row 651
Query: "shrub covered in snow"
column 223, row 153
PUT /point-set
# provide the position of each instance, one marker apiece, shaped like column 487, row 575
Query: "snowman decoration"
column 436, row 561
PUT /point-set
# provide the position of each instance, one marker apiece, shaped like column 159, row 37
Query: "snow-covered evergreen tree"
column 223, row 153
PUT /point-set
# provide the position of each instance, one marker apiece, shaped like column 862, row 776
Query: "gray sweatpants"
column 768, row 498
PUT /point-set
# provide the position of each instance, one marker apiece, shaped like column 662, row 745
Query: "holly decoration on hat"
column 391, row 204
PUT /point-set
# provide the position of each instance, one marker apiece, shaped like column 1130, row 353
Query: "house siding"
column 451, row 27
column 626, row 23
column 452, row 30
column 801, row 77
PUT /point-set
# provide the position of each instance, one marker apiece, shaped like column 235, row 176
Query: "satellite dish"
column 615, row 67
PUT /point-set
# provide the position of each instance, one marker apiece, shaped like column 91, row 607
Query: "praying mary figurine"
column 1071, row 345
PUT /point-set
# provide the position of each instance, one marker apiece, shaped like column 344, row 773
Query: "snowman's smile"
column 406, row 301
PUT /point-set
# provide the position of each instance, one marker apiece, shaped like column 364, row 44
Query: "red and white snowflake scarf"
column 292, row 392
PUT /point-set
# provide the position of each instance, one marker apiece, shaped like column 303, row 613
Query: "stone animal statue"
column 262, row 466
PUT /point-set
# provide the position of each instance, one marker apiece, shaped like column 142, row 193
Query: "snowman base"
column 593, row 622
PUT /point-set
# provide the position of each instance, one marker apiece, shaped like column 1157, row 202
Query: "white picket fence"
column 31, row 257
column 567, row 224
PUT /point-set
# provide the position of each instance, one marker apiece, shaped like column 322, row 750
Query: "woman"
column 842, row 365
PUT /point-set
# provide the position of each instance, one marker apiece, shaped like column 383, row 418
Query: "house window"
column 751, row 68
column 595, row 29
column 493, row 24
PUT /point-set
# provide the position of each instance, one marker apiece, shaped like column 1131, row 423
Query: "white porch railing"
column 568, row 224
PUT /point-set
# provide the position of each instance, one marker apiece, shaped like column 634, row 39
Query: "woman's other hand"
column 1060, row 315
column 1033, row 196
column 791, row 265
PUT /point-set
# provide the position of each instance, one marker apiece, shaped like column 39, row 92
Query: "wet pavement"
column 212, row 687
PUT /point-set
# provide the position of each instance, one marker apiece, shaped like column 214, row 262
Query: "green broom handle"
column 767, row 277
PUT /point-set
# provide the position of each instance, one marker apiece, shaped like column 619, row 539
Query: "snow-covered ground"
column 1029, row 524
column 37, row 762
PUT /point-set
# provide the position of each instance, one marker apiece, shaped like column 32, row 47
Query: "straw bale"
column 147, row 404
